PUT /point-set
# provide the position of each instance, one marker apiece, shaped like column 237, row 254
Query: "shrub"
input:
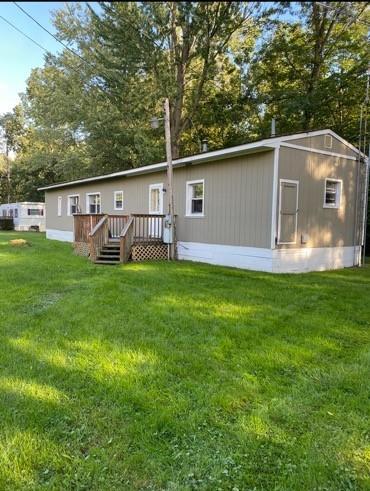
column 6, row 223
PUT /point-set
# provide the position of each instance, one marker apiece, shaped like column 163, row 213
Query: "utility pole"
column 171, row 208
column 7, row 169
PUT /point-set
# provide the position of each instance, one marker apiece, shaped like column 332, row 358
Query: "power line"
column 24, row 34
column 55, row 37
column 47, row 51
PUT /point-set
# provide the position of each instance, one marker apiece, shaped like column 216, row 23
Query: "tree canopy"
column 226, row 67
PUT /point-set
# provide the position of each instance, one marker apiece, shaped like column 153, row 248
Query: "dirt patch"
column 19, row 243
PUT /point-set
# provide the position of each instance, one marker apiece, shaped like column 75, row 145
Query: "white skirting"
column 274, row 261
column 314, row 259
column 255, row 258
column 62, row 235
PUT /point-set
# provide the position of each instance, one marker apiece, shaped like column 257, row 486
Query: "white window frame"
column 159, row 186
column 338, row 199
column 69, row 204
column 114, row 204
column 328, row 141
column 60, row 202
column 189, row 185
column 88, row 203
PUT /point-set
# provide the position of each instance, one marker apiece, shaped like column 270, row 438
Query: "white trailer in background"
column 26, row 215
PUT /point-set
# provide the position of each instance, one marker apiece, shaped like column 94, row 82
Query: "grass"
column 180, row 376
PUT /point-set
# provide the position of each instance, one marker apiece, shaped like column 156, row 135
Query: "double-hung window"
column 118, row 200
column 73, row 204
column 333, row 191
column 195, row 198
column 93, row 203
column 59, row 206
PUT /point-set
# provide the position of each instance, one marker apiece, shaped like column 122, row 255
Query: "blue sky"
column 18, row 55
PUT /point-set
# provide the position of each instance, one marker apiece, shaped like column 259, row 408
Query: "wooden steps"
column 109, row 254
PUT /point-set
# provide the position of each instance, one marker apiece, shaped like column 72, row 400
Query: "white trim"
column 62, row 235
column 60, row 206
column 88, row 202
column 316, row 150
column 275, row 185
column 265, row 144
column 328, row 141
column 159, row 186
column 338, row 199
column 188, row 213
column 292, row 181
column 114, row 200
column 68, row 205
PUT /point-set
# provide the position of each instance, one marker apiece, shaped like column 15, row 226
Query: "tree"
column 310, row 71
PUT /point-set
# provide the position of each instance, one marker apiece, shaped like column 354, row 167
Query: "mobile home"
column 26, row 215
column 282, row 204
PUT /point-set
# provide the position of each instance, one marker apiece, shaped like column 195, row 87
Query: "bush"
column 6, row 223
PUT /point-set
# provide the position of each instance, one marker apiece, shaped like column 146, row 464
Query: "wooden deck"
column 110, row 238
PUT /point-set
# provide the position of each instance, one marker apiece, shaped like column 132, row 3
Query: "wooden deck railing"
column 83, row 225
column 148, row 228
column 99, row 237
column 126, row 240
column 116, row 224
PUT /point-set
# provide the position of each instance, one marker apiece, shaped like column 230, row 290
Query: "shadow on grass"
column 140, row 376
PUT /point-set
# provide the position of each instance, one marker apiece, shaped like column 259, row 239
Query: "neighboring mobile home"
column 282, row 204
column 26, row 215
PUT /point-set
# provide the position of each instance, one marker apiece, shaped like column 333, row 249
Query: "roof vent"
column 273, row 127
column 204, row 146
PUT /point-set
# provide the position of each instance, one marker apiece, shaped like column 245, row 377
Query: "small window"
column 333, row 189
column 73, row 204
column 195, row 198
column 118, row 200
column 93, row 203
column 15, row 212
column 35, row 212
column 59, row 206
column 328, row 141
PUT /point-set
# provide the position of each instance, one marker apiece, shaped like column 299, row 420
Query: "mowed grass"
column 180, row 376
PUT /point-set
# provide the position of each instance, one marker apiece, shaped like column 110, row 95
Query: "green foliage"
column 179, row 376
column 6, row 223
column 227, row 68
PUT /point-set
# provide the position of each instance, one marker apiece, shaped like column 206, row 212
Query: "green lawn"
column 180, row 376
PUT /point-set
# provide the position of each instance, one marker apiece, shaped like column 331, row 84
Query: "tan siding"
column 324, row 226
column 237, row 200
column 317, row 142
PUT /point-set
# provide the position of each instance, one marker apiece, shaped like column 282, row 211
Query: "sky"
column 18, row 55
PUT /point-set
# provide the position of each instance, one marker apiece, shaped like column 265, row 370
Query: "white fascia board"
column 262, row 145
column 315, row 150
column 197, row 159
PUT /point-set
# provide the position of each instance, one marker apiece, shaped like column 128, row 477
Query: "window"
column 118, row 200
column 333, row 189
column 73, row 204
column 59, row 206
column 15, row 212
column 195, row 198
column 11, row 212
column 93, row 203
column 35, row 212
column 4, row 213
column 328, row 141
column 156, row 199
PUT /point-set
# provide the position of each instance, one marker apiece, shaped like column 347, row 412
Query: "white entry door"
column 288, row 211
column 155, row 208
